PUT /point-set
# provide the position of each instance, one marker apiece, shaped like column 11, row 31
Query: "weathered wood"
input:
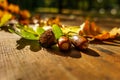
column 25, row 60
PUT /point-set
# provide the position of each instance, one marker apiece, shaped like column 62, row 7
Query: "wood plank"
column 25, row 60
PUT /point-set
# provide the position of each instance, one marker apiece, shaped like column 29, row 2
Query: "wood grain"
column 22, row 59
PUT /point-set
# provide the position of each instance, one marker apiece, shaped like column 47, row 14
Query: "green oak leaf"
column 39, row 30
column 27, row 32
column 57, row 31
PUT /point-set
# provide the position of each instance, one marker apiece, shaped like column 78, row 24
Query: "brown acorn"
column 79, row 42
column 64, row 43
column 47, row 39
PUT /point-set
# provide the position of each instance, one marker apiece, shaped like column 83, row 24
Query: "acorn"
column 47, row 39
column 80, row 42
column 64, row 43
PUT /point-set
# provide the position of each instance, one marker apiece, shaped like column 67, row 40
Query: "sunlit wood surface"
column 22, row 59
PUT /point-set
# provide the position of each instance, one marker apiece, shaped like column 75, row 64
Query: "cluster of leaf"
column 88, row 29
column 10, row 11
column 33, row 33
column 91, row 30
column 27, row 32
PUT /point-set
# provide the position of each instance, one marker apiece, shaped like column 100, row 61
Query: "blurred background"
column 77, row 7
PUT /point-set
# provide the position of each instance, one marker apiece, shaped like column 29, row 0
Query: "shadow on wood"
column 34, row 44
column 4, row 28
column 111, row 42
column 91, row 52
column 105, row 50
column 71, row 53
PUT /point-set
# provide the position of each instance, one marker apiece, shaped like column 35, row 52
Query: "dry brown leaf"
column 24, row 21
column 114, row 32
column 108, row 35
column 85, row 28
column 103, row 36
column 1, row 13
column 25, row 14
column 4, row 4
column 94, row 29
column 90, row 29
column 55, row 20
column 13, row 8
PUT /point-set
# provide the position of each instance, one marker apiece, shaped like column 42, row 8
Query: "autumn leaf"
column 5, row 18
column 91, row 30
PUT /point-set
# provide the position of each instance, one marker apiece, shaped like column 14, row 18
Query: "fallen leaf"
column 91, row 30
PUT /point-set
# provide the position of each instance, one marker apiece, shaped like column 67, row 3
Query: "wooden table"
column 22, row 59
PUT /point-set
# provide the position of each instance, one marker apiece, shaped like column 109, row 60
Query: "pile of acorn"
column 65, row 42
